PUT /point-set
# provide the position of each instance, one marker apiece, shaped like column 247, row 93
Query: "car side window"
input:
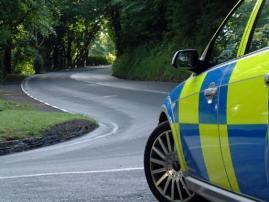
column 260, row 37
column 227, row 42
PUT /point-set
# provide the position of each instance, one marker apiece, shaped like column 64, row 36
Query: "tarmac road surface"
column 105, row 165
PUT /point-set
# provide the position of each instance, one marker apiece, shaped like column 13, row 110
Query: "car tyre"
column 162, row 169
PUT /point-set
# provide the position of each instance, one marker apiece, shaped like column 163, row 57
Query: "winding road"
column 105, row 165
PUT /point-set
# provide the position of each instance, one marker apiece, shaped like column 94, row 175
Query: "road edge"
column 114, row 127
column 25, row 81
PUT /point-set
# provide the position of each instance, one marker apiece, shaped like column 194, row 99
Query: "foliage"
column 103, row 47
column 23, row 60
column 149, row 27
column 45, row 35
column 24, row 24
column 149, row 62
column 25, row 68
column 261, row 32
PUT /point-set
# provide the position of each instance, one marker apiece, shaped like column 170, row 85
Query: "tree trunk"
column 69, row 50
column 7, row 59
column 84, row 50
column 62, row 56
column 116, row 25
column 162, row 17
column 55, row 57
column 86, row 57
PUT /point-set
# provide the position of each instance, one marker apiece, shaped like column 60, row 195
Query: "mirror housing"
column 187, row 59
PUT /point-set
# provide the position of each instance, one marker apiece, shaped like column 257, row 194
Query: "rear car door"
column 199, row 104
column 246, row 116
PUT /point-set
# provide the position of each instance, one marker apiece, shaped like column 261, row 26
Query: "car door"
column 199, row 102
column 246, row 115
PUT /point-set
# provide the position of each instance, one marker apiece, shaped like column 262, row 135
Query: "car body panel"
column 226, row 143
column 247, row 123
column 227, row 158
column 170, row 109
column 204, row 156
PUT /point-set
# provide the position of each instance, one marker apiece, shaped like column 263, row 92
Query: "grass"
column 18, row 121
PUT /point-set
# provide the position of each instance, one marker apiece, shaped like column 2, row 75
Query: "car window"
column 227, row 43
column 260, row 37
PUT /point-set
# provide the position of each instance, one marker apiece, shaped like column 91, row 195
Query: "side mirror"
column 188, row 59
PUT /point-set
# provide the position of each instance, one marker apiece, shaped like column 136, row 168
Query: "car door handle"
column 210, row 92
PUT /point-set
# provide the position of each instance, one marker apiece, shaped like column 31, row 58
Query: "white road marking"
column 115, row 127
column 156, row 91
column 110, row 96
column 72, row 173
column 28, row 94
column 90, row 139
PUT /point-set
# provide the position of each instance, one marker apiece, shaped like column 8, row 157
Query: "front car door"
column 200, row 105
column 246, row 112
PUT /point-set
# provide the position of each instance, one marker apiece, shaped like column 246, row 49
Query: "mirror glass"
column 185, row 59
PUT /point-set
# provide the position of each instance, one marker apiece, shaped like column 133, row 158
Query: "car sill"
column 213, row 193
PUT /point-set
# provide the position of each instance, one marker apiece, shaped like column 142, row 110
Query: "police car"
column 212, row 138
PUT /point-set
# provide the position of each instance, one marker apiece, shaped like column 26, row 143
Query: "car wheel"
column 162, row 169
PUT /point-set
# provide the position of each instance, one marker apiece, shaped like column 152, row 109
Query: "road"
column 105, row 165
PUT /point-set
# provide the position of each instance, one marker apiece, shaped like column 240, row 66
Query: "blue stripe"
column 223, row 94
column 222, row 117
column 213, row 76
column 228, row 72
column 176, row 111
column 247, row 144
column 192, row 150
column 172, row 100
column 175, row 94
column 207, row 112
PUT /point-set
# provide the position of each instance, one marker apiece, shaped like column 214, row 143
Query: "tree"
column 29, row 21
column 59, row 34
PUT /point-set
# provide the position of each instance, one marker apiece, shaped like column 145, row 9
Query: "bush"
column 148, row 62
column 111, row 58
column 25, row 68
column 24, row 60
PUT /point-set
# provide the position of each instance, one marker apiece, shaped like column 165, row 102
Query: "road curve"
column 106, row 165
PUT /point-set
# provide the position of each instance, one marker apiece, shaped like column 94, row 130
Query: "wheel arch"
column 167, row 114
column 163, row 118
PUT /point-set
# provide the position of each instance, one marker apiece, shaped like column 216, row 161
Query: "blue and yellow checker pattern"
column 225, row 142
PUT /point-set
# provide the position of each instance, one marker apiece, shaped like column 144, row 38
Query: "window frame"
column 253, row 28
column 208, row 51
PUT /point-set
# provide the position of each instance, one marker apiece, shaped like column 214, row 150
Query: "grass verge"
column 19, row 121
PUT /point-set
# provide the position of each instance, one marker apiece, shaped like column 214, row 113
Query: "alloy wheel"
column 165, row 169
